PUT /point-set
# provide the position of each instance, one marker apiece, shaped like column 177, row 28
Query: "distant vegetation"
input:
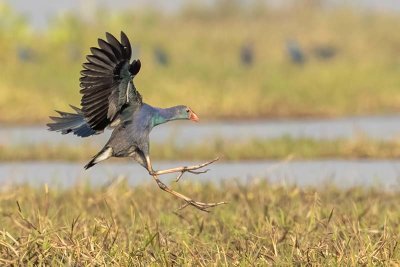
column 351, row 61
column 282, row 148
column 263, row 224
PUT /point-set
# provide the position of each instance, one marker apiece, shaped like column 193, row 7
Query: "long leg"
column 182, row 170
column 199, row 205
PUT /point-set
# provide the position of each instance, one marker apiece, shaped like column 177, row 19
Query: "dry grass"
column 263, row 224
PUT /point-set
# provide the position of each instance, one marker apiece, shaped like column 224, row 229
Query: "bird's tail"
column 104, row 154
column 71, row 122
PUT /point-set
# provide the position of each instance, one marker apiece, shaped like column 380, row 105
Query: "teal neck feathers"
column 161, row 115
column 157, row 119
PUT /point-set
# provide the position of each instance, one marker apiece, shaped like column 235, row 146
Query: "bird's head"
column 185, row 113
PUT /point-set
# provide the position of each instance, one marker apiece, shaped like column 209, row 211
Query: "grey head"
column 180, row 112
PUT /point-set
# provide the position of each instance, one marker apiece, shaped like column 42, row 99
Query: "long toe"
column 204, row 206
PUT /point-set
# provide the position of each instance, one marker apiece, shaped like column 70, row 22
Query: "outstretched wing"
column 106, row 81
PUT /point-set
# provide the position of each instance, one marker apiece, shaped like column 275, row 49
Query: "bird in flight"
column 111, row 100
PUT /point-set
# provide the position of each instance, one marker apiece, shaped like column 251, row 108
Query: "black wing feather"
column 126, row 45
column 100, row 62
column 91, row 66
column 96, row 89
column 96, row 97
column 115, row 44
column 94, row 73
column 104, row 55
column 95, row 80
column 106, row 81
column 109, row 48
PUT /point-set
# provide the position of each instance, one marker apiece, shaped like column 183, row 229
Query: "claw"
column 179, row 177
column 200, row 205
column 199, row 172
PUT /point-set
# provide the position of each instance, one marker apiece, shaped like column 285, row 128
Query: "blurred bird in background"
column 295, row 52
column 324, row 52
column 247, row 54
column 25, row 54
column 161, row 56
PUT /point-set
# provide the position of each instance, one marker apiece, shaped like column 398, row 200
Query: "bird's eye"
column 187, row 110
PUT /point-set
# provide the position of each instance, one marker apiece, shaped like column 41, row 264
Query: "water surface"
column 303, row 173
column 183, row 132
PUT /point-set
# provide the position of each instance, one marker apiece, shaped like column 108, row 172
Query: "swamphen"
column 111, row 100
column 295, row 52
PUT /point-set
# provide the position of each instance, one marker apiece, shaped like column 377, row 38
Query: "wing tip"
column 134, row 68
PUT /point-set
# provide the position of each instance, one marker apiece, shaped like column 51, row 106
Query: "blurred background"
column 297, row 90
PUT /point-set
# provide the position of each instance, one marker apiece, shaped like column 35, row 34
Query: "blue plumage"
column 111, row 100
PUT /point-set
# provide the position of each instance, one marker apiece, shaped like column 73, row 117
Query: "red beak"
column 193, row 116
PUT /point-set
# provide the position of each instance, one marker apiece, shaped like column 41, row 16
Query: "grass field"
column 205, row 71
column 254, row 149
column 262, row 224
